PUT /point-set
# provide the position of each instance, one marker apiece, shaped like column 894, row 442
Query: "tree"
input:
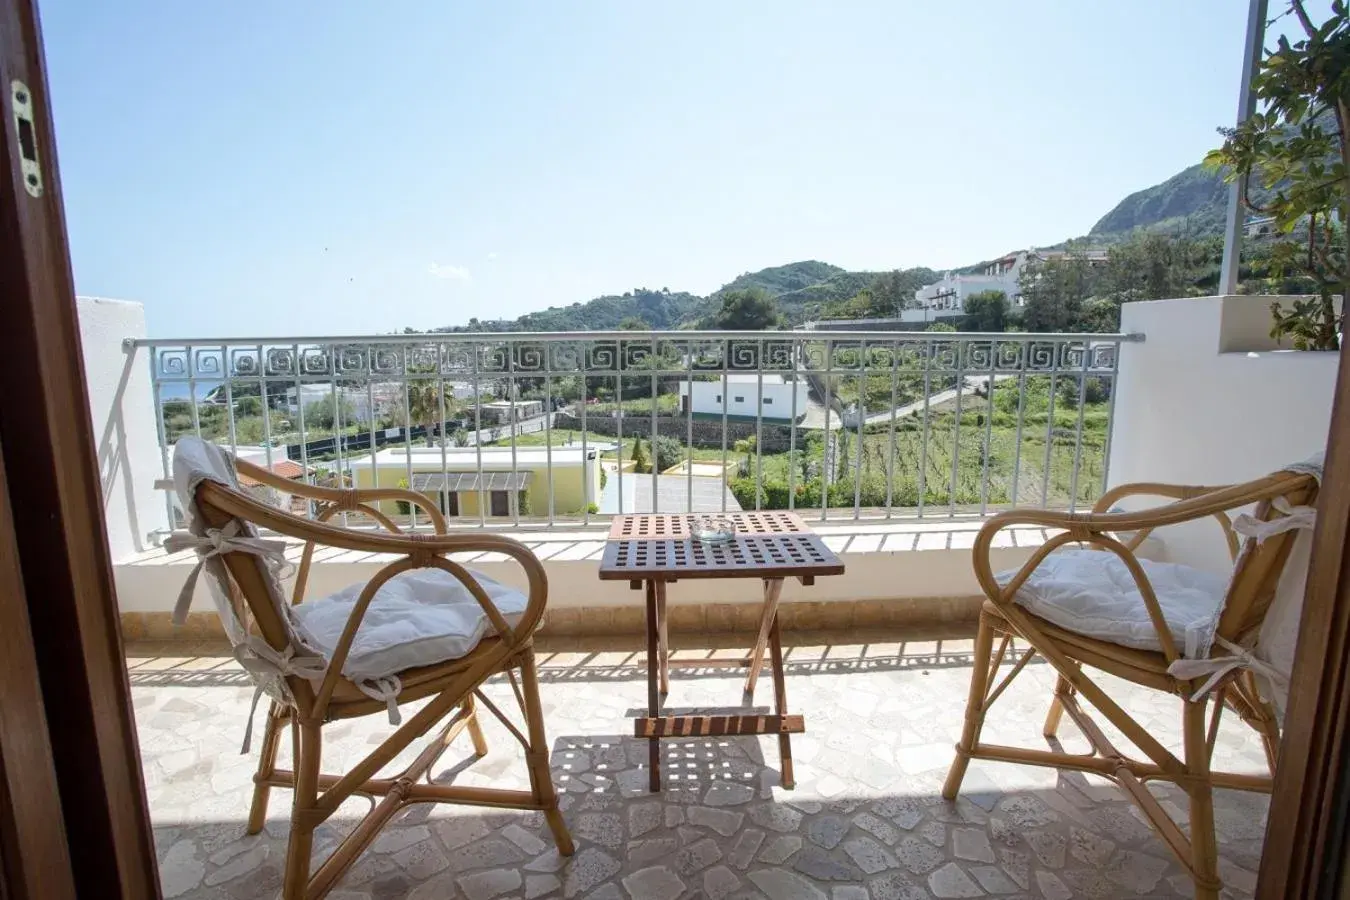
column 329, row 413
column 1054, row 291
column 1100, row 315
column 1153, row 266
column 942, row 327
column 424, row 407
column 752, row 309
column 635, row 323
column 892, row 292
column 986, row 311
column 248, row 406
column 1296, row 146
column 640, row 462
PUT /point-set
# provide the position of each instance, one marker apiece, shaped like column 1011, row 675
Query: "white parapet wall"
column 1209, row 398
column 122, row 409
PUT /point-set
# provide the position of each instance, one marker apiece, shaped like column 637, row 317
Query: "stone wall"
column 706, row 432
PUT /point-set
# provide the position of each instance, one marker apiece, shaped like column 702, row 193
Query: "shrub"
column 667, row 452
column 403, row 506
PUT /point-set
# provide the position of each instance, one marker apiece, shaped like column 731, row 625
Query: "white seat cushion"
column 417, row 618
column 1091, row 592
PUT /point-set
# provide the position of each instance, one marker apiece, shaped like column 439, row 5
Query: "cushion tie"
column 261, row 660
column 215, row 543
column 1217, row 667
column 385, row 690
column 1295, row 517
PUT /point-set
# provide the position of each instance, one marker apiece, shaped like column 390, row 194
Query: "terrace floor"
column 866, row 820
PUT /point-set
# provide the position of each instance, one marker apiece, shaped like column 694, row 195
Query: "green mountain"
column 661, row 309
column 803, row 290
column 1192, row 202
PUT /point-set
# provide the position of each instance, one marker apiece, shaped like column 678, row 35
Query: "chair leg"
column 267, row 761
column 979, row 686
column 307, row 742
column 475, row 727
column 1204, row 853
column 541, row 779
column 1063, row 687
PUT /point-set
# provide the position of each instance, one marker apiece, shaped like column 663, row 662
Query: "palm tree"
column 424, row 407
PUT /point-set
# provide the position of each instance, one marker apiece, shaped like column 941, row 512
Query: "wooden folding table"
column 655, row 550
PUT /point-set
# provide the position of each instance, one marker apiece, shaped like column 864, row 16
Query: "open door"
column 1306, row 835
column 73, row 817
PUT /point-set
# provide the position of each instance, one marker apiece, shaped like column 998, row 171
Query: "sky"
column 273, row 169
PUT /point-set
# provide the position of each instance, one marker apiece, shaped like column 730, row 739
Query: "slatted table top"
column 745, row 556
column 662, row 526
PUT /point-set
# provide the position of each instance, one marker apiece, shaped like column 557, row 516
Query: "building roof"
column 466, row 458
column 458, row 482
column 285, row 468
column 753, row 378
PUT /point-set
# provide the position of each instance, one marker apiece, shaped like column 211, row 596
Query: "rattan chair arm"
column 417, row 546
column 343, row 498
column 1153, row 489
column 1217, row 500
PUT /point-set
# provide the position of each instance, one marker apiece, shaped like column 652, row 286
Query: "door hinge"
column 26, row 133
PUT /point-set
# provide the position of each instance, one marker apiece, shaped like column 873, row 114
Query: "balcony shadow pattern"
column 866, row 820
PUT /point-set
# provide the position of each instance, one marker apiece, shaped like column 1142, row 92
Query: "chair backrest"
column 236, row 574
column 1260, row 564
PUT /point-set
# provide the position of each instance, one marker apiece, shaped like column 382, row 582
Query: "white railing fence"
column 542, row 429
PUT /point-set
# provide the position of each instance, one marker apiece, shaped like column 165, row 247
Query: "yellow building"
column 501, row 485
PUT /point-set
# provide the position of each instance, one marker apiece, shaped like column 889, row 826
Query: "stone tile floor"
column 866, row 820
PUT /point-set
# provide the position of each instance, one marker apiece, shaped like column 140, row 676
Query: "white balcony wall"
column 123, row 413
column 1208, row 398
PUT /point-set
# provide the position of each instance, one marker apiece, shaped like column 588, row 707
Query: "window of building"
column 768, row 401
column 739, row 399
column 500, row 503
column 449, row 503
column 719, row 399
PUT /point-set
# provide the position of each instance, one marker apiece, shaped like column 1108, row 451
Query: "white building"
column 949, row 293
column 502, row 412
column 354, row 401
column 742, row 397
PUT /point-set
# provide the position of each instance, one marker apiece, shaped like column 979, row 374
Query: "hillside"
column 1193, row 201
column 661, row 309
column 803, row 290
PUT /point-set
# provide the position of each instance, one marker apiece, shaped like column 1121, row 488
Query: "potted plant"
column 1293, row 149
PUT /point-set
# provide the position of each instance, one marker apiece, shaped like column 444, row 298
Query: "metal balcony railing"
column 538, row 429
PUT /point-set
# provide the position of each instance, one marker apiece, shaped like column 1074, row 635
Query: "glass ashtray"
column 713, row 529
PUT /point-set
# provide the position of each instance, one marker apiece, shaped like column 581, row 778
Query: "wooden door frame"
column 52, row 476
column 1311, row 795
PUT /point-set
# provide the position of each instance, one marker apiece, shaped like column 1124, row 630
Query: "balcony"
column 883, row 710
column 895, row 446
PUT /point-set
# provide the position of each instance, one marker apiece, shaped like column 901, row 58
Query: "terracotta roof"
column 285, row 468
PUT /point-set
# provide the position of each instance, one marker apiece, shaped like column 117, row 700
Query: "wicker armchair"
column 1258, row 568
column 308, row 683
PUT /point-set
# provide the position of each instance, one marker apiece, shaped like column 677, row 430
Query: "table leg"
column 773, row 589
column 662, row 637
column 653, row 684
column 786, row 777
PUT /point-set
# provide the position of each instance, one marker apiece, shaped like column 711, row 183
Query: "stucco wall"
column 123, row 413
column 1205, row 399
column 569, row 486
